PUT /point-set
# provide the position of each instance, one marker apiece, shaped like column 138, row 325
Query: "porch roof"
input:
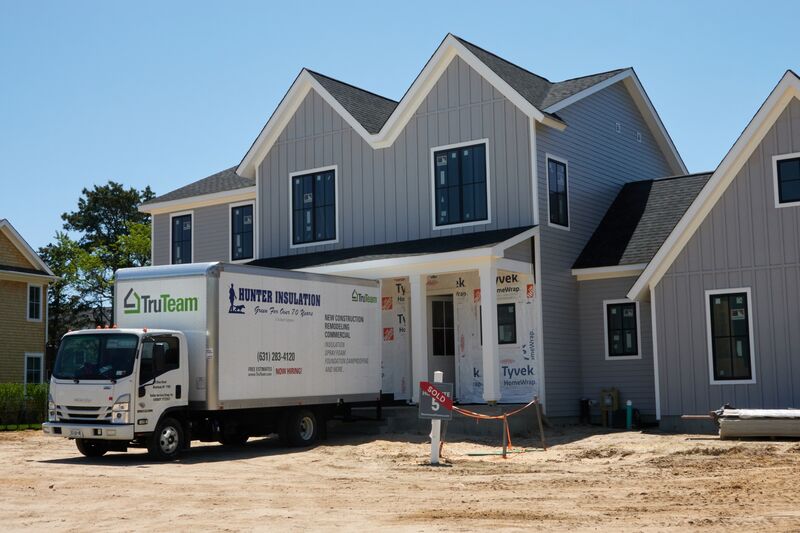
column 435, row 245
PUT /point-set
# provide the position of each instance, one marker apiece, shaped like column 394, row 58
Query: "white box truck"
column 217, row 352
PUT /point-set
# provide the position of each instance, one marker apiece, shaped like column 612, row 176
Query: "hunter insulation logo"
column 135, row 304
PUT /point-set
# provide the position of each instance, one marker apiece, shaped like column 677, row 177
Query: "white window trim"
column 488, row 220
column 775, row 160
column 180, row 214
column 547, row 188
column 38, row 355
column 713, row 381
column 230, row 231
column 336, row 186
column 28, row 303
column 638, row 355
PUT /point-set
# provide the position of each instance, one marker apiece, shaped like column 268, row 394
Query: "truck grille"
column 83, row 414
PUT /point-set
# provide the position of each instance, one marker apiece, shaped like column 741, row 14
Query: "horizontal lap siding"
column 632, row 377
column 744, row 242
column 210, row 226
column 600, row 162
column 385, row 195
column 20, row 335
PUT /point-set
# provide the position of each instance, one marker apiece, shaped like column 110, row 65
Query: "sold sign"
column 437, row 395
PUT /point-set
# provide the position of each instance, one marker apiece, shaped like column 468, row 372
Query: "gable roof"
column 786, row 89
column 639, row 220
column 537, row 90
column 40, row 268
column 380, row 120
column 369, row 109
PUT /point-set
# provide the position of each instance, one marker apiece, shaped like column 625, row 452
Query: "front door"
column 441, row 338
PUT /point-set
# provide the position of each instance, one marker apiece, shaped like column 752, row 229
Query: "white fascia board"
column 608, row 272
column 646, row 108
column 28, row 277
column 25, row 248
column 409, row 103
column 732, row 163
column 193, row 202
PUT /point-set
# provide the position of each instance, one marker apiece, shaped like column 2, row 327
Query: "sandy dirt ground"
column 587, row 481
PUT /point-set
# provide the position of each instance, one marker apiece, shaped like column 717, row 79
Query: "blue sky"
column 164, row 93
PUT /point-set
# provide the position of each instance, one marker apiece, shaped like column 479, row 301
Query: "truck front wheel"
column 91, row 447
column 167, row 440
column 301, row 428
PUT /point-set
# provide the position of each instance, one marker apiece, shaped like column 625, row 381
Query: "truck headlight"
column 51, row 409
column 120, row 411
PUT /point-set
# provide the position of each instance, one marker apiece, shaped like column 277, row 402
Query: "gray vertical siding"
column 600, row 162
column 633, row 377
column 385, row 195
column 744, row 242
column 210, row 226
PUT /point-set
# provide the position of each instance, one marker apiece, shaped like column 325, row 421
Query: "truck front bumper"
column 89, row 431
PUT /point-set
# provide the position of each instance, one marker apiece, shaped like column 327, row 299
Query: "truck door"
column 162, row 380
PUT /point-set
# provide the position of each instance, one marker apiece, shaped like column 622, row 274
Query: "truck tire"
column 167, row 440
column 301, row 428
column 91, row 447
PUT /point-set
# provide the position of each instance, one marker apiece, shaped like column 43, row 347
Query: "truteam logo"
column 134, row 303
column 363, row 298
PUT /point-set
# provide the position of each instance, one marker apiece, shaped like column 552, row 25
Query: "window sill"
column 622, row 357
column 733, row 382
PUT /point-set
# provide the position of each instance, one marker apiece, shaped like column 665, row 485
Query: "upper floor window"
column 786, row 171
column 241, row 232
column 622, row 329
column 181, row 239
column 34, row 302
column 461, row 191
column 557, row 192
column 730, row 342
column 313, row 207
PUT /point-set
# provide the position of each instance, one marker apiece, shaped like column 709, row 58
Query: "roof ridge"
column 501, row 58
column 680, row 176
column 315, row 73
column 595, row 74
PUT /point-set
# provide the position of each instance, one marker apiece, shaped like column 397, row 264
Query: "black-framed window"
column 788, row 180
column 557, row 192
column 506, row 323
column 730, row 336
column 34, row 302
column 182, row 239
column 314, row 207
column 460, row 185
column 622, row 330
column 242, row 232
column 33, row 369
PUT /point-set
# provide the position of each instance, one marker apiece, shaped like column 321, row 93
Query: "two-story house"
column 24, row 279
column 471, row 199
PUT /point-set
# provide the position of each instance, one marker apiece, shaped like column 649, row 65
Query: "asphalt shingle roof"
column 226, row 180
column 369, row 109
column 639, row 220
column 433, row 245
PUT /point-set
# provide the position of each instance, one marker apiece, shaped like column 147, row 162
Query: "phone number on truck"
column 275, row 356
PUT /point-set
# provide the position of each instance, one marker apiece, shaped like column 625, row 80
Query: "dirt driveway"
column 588, row 480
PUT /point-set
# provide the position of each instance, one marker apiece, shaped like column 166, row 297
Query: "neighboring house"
column 470, row 199
column 24, row 279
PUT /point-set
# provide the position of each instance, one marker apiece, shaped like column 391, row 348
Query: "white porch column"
column 419, row 333
column 491, row 356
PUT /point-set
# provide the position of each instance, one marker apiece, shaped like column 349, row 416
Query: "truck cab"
column 113, row 388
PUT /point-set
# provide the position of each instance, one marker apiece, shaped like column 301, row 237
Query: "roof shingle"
column 639, row 220
column 226, row 180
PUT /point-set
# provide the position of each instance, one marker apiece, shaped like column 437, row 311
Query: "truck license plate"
column 77, row 433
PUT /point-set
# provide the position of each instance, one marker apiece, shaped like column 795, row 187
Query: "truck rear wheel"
column 167, row 440
column 91, row 447
column 301, row 428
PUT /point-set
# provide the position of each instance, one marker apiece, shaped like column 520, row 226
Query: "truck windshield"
column 101, row 356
